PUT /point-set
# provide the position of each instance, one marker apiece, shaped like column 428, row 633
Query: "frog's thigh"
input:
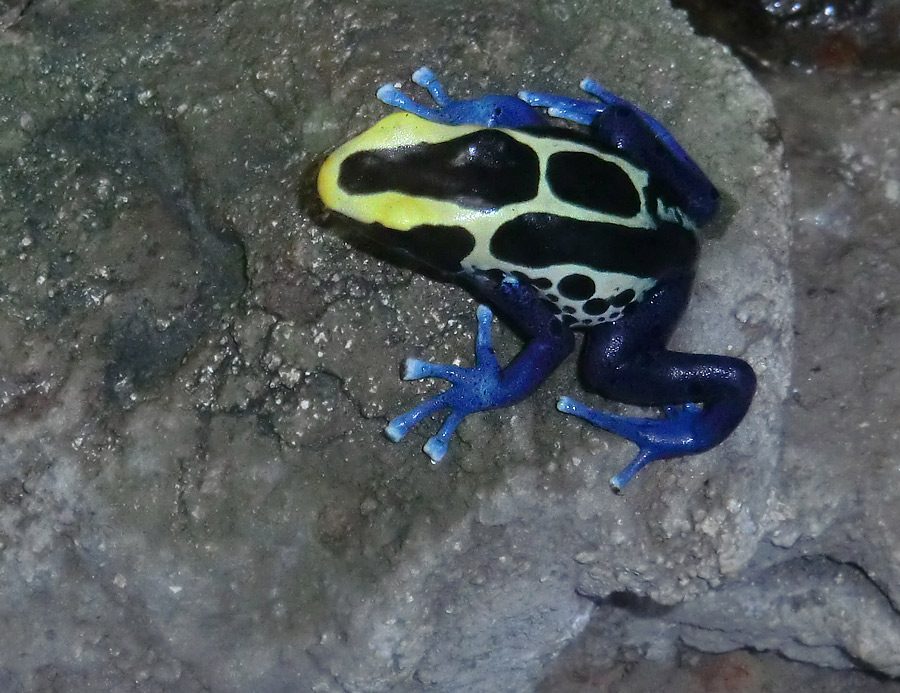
column 627, row 360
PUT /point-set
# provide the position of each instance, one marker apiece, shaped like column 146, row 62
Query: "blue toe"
column 395, row 430
column 574, row 110
column 644, row 457
column 435, row 449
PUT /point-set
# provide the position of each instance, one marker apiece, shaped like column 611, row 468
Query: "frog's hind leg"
column 620, row 125
column 608, row 99
column 591, row 112
column 488, row 111
column 705, row 396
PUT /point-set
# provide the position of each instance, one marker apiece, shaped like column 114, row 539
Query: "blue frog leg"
column 704, row 396
column 487, row 385
column 488, row 111
column 621, row 125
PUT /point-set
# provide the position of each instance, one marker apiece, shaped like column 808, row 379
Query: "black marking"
column 495, row 275
column 543, row 240
column 622, row 299
column 440, row 247
column 588, row 181
column 578, row 287
column 569, row 320
column 483, row 170
column 696, row 197
column 596, row 306
column 554, row 308
column 540, row 283
column 660, row 191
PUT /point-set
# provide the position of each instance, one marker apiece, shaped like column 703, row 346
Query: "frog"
column 560, row 214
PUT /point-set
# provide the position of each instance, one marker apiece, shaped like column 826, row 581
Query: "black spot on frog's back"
column 596, row 306
column 578, row 287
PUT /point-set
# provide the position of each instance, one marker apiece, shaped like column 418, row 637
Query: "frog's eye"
column 483, row 170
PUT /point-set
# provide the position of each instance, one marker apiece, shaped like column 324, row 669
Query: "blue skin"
column 704, row 396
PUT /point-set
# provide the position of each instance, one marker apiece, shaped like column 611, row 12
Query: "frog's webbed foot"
column 488, row 111
column 487, row 385
column 681, row 432
column 473, row 389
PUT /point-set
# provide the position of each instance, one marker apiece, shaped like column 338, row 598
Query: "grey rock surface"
column 196, row 491
column 831, row 551
column 822, row 585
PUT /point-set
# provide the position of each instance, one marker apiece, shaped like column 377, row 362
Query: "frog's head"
column 419, row 186
column 405, row 172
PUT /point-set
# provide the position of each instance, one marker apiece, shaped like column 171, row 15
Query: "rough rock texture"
column 196, row 491
column 832, row 560
column 822, row 586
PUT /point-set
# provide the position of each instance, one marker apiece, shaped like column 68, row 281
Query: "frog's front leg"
column 621, row 125
column 705, row 396
column 487, row 385
column 488, row 111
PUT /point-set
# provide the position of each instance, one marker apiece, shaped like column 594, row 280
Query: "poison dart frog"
column 560, row 214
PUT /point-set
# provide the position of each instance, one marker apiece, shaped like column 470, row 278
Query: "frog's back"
column 591, row 231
